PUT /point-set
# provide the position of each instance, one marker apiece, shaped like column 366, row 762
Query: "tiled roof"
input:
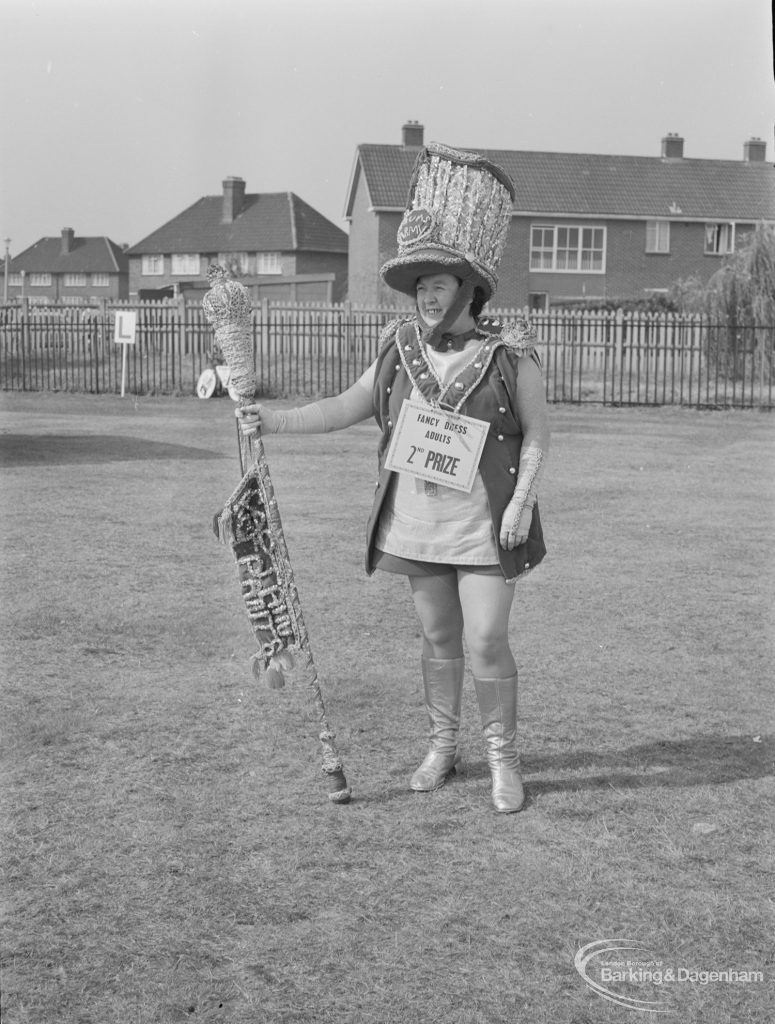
column 578, row 184
column 313, row 231
column 87, row 255
column 267, row 222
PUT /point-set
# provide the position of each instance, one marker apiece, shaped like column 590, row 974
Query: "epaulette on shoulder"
column 391, row 329
column 518, row 336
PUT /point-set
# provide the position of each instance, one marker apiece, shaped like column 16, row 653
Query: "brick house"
column 277, row 245
column 584, row 226
column 69, row 269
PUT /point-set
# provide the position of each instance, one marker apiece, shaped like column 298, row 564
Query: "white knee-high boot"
column 443, row 688
column 498, row 707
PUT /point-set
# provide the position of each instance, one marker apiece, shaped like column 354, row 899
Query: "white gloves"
column 518, row 514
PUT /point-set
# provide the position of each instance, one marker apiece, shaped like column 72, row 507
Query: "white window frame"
column 186, row 264
column 542, row 255
column 658, row 236
column 75, row 281
column 237, row 262
column 100, row 280
column 152, row 265
column 719, row 238
column 269, row 263
column 15, row 280
column 558, row 252
column 39, row 280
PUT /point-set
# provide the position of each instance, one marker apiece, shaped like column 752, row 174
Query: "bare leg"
column 437, row 603
column 486, row 605
column 443, row 668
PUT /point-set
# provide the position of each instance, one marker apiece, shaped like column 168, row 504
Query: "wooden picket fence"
column 613, row 358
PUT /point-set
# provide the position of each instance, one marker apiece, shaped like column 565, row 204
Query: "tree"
column 739, row 303
column 742, row 291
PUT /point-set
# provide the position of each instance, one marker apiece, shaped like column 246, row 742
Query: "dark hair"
column 477, row 302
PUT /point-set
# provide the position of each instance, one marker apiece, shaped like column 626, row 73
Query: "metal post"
column 5, row 279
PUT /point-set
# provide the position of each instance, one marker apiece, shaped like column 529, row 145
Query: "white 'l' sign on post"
column 125, row 334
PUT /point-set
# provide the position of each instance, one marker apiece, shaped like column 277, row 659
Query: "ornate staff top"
column 228, row 310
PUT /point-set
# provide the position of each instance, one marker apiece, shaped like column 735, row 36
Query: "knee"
column 442, row 634
column 485, row 642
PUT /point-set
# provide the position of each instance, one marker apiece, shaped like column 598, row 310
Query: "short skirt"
column 414, row 567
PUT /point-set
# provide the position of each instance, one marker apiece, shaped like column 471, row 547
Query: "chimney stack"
column 68, row 240
column 755, row 151
column 672, row 147
column 412, row 135
column 233, row 198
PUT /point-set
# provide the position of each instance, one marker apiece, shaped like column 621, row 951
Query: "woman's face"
column 435, row 295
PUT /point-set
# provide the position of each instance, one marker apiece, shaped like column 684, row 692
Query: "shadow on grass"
column 696, row 761
column 73, row 449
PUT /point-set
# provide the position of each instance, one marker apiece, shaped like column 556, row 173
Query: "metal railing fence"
column 613, row 358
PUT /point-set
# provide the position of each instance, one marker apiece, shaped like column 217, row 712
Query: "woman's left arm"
column 530, row 407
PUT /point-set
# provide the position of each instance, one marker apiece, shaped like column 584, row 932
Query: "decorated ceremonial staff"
column 250, row 523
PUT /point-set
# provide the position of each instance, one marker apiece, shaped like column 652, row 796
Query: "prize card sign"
column 435, row 445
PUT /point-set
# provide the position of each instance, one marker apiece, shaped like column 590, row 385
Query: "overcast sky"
column 118, row 114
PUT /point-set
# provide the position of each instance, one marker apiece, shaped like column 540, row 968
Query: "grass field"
column 169, row 853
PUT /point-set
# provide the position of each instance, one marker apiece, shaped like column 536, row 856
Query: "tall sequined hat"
column 456, row 220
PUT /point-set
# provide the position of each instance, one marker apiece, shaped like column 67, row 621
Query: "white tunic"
column 445, row 526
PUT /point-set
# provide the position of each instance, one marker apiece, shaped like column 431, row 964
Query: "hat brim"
column 402, row 272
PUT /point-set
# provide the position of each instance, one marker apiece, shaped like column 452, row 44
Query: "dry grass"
column 168, row 848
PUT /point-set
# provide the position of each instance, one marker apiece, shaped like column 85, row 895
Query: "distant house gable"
column 309, row 251
column 70, row 268
column 386, row 172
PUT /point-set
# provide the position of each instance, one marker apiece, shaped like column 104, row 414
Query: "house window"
column 542, row 249
column 719, row 239
column 268, row 263
column 237, row 262
column 567, row 248
column 185, row 263
column 15, row 280
column 538, row 302
column 100, row 280
column 152, row 266
column 75, row 280
column 40, row 280
column 658, row 236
